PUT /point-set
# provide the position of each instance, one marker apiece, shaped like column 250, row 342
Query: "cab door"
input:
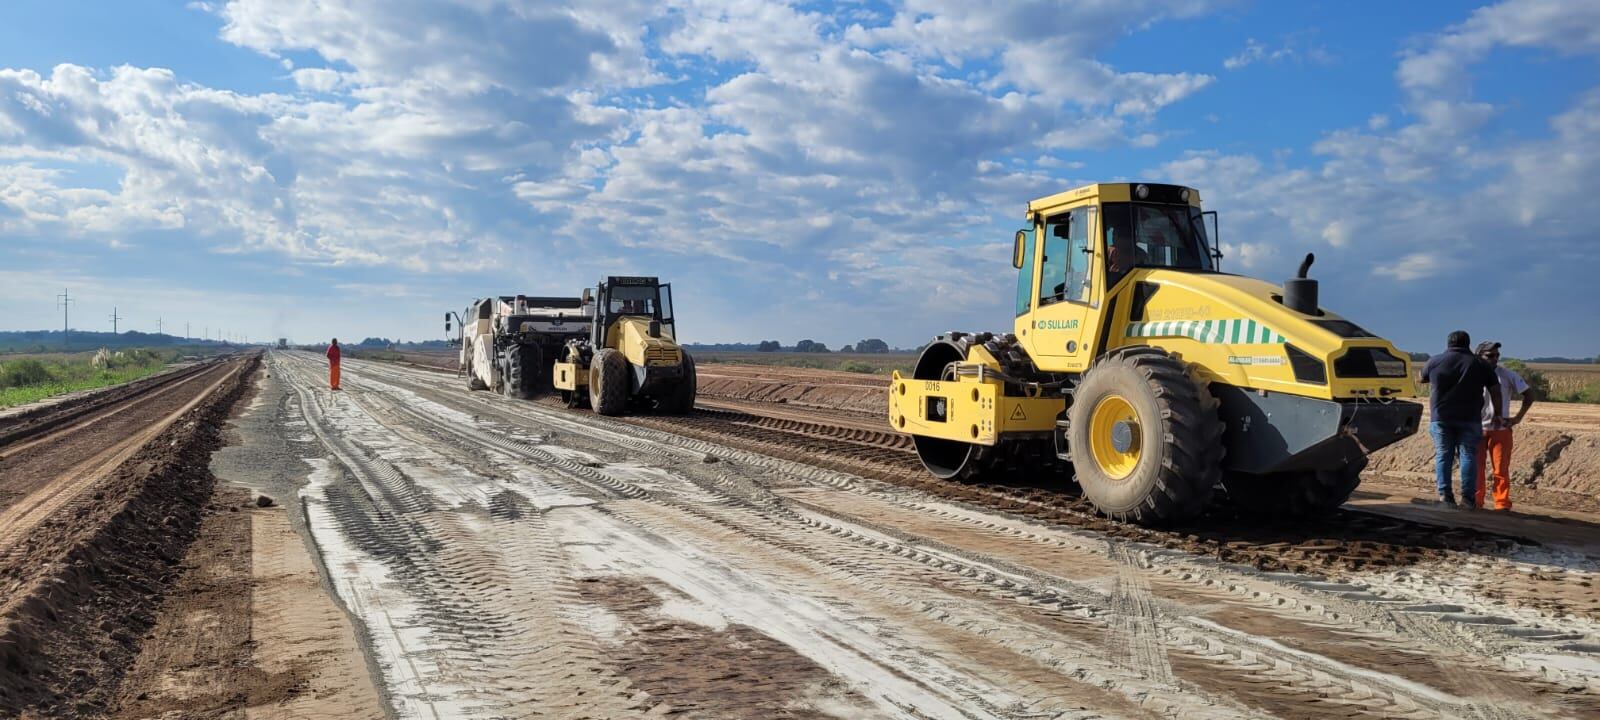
column 669, row 327
column 1064, row 321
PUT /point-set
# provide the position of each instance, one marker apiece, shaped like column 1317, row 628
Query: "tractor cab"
column 631, row 357
column 635, row 301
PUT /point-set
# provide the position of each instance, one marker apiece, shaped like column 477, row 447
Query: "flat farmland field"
column 1567, row 379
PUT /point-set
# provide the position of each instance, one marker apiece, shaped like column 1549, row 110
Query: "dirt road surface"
column 509, row 558
column 134, row 584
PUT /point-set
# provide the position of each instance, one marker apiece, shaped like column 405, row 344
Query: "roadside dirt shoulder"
column 81, row 586
column 248, row 629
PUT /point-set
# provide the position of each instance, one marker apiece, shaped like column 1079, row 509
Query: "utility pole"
column 64, row 300
column 186, row 329
column 114, row 318
column 158, row 324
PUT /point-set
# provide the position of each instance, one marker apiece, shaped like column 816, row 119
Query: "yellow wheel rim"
column 1114, row 436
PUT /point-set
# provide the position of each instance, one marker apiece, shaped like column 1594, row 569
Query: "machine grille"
column 1369, row 362
column 660, row 356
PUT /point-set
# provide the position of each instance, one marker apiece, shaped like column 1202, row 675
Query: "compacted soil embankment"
column 94, row 518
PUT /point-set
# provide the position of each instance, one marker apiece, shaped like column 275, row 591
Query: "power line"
column 64, row 300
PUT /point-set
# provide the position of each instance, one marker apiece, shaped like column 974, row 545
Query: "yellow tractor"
column 1155, row 379
column 631, row 356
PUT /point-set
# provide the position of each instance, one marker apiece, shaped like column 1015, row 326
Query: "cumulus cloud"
column 1441, row 64
column 860, row 158
column 1429, row 195
column 1296, row 48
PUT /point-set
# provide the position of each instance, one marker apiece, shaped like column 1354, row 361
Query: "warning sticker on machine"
column 1017, row 414
column 1256, row 360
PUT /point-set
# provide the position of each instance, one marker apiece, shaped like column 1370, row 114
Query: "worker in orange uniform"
column 333, row 364
column 1495, row 454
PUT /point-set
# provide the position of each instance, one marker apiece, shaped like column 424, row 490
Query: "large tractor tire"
column 1145, row 438
column 608, row 382
column 1299, row 494
column 680, row 400
column 522, row 371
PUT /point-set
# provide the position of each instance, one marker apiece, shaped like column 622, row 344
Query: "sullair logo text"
column 1058, row 324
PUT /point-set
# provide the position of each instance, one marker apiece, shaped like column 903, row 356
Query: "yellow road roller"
column 1139, row 369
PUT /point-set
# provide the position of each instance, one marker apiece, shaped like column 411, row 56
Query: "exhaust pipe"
column 1300, row 293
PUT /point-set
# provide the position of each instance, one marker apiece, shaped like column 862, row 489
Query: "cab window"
column 1025, row 275
column 1064, row 274
column 1152, row 235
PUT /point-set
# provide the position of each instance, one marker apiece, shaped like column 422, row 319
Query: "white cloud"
column 1571, row 28
column 321, row 80
column 1432, row 195
column 1046, row 47
column 1296, row 47
column 863, row 158
column 1417, row 266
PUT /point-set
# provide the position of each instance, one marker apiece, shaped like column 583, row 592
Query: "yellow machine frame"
column 1229, row 329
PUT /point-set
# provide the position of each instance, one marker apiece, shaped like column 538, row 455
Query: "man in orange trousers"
column 333, row 364
column 1495, row 452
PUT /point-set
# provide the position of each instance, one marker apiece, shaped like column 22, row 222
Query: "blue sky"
column 815, row 170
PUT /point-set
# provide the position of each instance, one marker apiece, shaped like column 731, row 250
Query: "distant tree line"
column 870, row 345
column 40, row 341
column 867, row 346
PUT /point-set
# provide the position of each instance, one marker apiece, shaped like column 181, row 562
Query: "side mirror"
column 588, row 296
column 1018, row 246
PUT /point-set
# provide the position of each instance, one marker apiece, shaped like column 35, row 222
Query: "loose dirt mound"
column 69, row 638
column 828, row 389
column 1553, row 452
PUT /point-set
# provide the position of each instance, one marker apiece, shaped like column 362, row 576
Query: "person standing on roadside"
column 1496, row 452
column 1457, row 380
column 333, row 364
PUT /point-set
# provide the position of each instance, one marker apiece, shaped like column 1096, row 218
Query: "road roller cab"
column 1139, row 367
column 632, row 356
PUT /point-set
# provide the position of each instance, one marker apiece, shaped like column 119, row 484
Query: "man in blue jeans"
column 1457, row 379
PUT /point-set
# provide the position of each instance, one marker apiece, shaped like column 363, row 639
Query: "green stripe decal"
column 1236, row 331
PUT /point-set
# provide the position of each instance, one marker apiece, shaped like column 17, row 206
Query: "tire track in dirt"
column 494, row 640
column 1359, row 692
column 1207, row 644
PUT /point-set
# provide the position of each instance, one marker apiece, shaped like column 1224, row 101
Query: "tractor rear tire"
column 680, row 401
column 522, row 371
column 1299, row 494
column 608, row 382
column 1145, row 438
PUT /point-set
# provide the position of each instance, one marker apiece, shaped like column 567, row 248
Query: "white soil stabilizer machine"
column 509, row 343
column 631, row 356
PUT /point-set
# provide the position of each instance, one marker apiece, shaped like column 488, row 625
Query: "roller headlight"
column 1141, row 191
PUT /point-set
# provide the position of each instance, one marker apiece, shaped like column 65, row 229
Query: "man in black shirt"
column 1457, row 379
